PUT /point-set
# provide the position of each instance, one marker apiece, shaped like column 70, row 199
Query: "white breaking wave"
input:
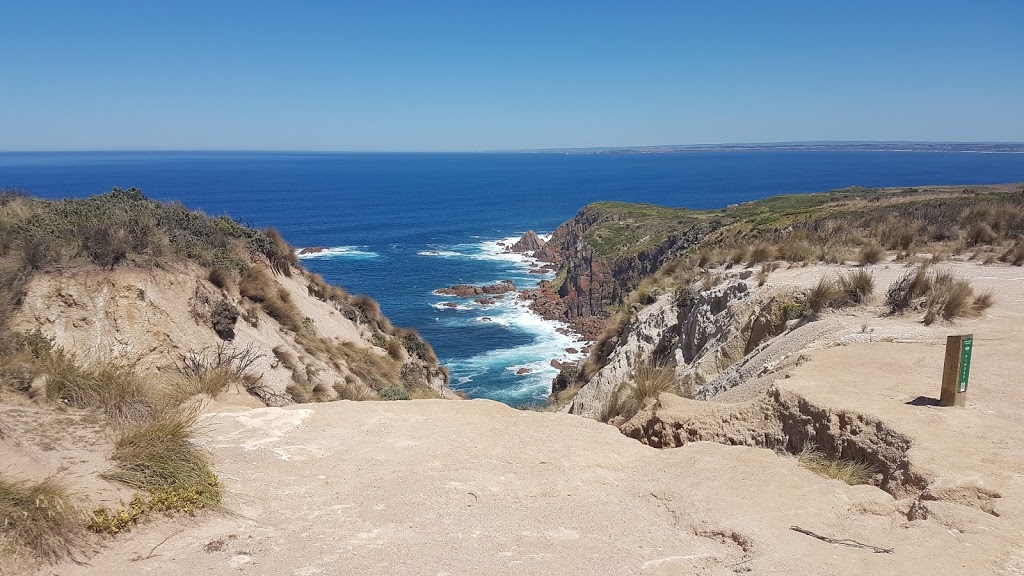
column 548, row 339
column 337, row 252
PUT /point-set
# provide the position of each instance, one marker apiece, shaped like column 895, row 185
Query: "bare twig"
column 159, row 544
column 843, row 541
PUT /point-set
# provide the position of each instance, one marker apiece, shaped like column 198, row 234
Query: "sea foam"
column 338, row 252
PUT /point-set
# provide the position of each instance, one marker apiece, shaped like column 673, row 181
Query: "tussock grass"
column 159, row 459
column 942, row 294
column 111, row 386
column 42, row 518
column 258, row 286
column 912, row 285
column 856, row 286
column 871, row 253
column 952, row 297
column 648, row 381
column 352, row 390
column 211, row 372
column 849, row 471
column 761, row 253
column 1015, row 254
column 223, row 278
column 823, row 294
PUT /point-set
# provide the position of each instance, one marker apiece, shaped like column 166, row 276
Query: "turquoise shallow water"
column 402, row 225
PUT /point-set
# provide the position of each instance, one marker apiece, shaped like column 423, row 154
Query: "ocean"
column 399, row 226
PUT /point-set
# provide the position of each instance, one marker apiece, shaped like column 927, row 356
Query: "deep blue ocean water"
column 403, row 225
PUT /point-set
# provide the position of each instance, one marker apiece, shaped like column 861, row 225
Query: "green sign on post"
column 965, row 363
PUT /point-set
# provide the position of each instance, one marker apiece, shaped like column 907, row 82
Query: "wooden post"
column 956, row 370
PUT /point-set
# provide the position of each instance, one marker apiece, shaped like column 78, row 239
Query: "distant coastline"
column 817, row 146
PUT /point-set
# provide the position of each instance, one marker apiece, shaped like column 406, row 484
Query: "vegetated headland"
column 173, row 376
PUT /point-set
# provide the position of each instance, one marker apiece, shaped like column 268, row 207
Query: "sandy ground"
column 441, row 487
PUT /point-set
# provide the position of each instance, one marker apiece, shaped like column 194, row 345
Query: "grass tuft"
column 111, row 386
column 849, row 471
column 42, row 518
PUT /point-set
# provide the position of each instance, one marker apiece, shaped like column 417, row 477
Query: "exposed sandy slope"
column 436, row 487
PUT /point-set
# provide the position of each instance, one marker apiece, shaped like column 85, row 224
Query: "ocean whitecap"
column 335, row 252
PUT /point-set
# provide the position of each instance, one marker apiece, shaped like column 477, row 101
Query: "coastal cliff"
column 695, row 292
column 170, row 288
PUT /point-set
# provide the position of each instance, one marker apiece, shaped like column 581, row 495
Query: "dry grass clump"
column 761, row 253
column 850, row 471
column 223, row 278
column 952, row 297
column 822, row 295
column 159, row 459
column 1015, row 254
column 796, row 250
column 321, row 290
column 648, row 381
column 211, row 372
column 258, row 286
column 282, row 256
column 415, row 345
column 41, row 518
column 871, row 253
column 912, row 285
column 112, row 386
column 942, row 294
column 739, row 254
column 845, row 290
column 856, row 286
column 353, row 390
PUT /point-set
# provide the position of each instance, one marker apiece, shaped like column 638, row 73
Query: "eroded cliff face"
column 157, row 317
column 699, row 337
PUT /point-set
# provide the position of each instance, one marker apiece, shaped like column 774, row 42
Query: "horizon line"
column 526, row 150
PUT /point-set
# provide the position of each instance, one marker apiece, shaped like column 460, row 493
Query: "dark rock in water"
column 312, row 250
column 485, row 319
column 537, row 271
column 485, row 301
column 530, row 242
column 556, row 364
column 522, row 371
column 450, row 305
column 466, row 290
column 571, row 351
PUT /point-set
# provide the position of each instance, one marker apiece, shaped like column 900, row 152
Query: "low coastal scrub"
column 42, row 519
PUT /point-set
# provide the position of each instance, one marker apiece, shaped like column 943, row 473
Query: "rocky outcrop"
column 699, row 337
column 594, row 282
column 469, row 291
column 532, row 244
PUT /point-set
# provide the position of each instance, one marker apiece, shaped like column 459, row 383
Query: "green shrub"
column 393, row 393
column 223, row 319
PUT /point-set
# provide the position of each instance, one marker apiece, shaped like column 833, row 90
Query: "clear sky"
column 485, row 75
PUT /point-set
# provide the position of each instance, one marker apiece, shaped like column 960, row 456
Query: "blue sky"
column 479, row 75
